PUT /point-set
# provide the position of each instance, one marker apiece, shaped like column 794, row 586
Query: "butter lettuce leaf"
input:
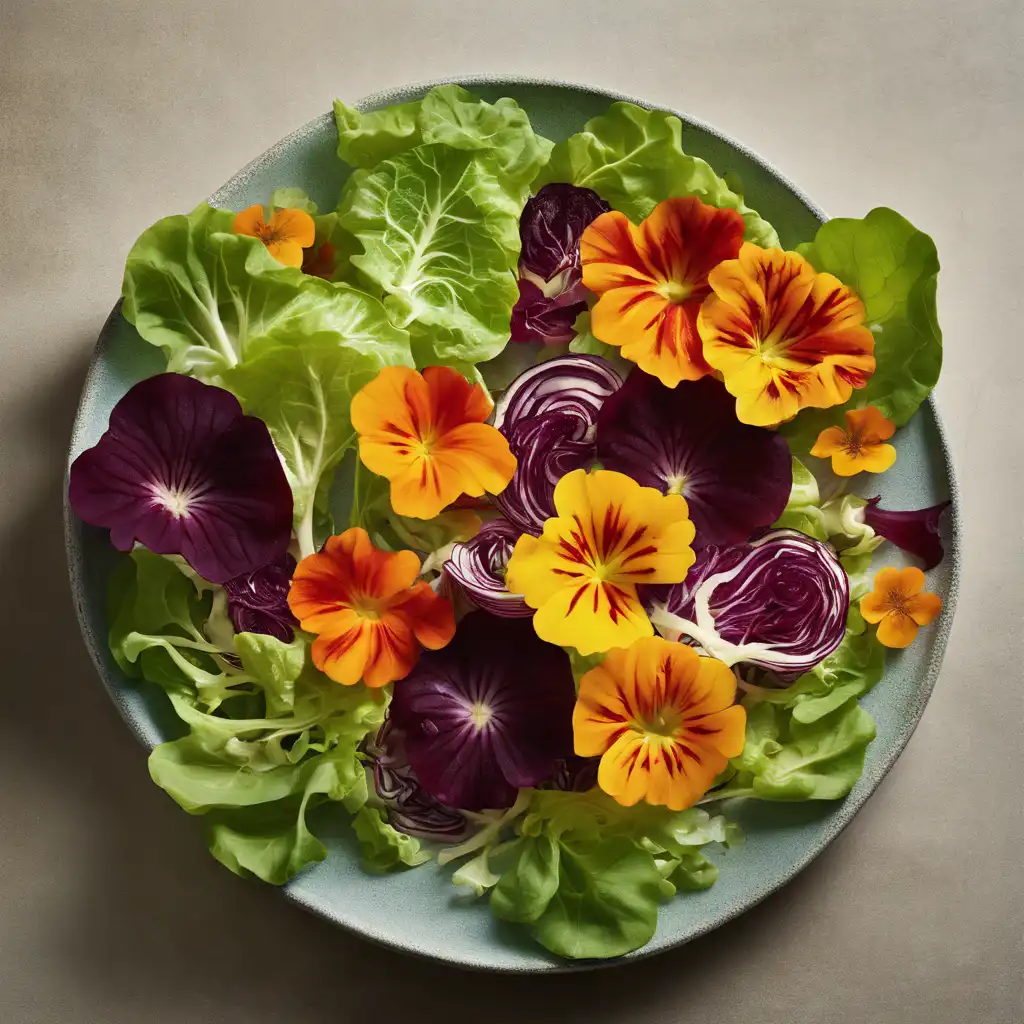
column 894, row 268
column 441, row 238
column 633, row 158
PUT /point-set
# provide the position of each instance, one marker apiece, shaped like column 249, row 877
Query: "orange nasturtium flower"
column 899, row 604
column 783, row 336
column 861, row 446
column 372, row 620
column 285, row 235
column 426, row 434
column 581, row 573
column 652, row 279
column 662, row 720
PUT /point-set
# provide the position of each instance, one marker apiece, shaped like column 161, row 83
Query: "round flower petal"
column 181, row 470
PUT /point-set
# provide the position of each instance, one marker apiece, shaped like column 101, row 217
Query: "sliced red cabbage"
column 488, row 714
column 258, row 601
column 779, row 602
column 478, row 566
column 686, row 440
column 916, row 531
column 408, row 807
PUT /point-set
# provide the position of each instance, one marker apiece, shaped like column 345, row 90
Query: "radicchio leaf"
column 779, row 602
column 488, row 714
column 181, row 470
column 536, row 317
column 258, row 601
column 478, row 566
column 686, row 440
column 915, row 531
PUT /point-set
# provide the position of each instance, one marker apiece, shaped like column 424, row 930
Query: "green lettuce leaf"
column 633, row 158
column 525, row 890
column 451, row 116
column 441, row 238
column 894, row 268
column 384, row 847
column 206, row 296
column 803, row 511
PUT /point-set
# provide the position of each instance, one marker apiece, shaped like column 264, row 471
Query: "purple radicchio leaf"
column 488, row 714
column 915, row 531
column 181, row 470
column 409, row 807
column 548, row 415
column 551, row 292
column 686, row 440
column 779, row 602
column 478, row 566
column 258, row 601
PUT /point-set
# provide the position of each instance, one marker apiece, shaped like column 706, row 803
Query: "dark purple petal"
column 258, row 601
column 478, row 566
column 488, row 714
column 915, row 531
column 536, row 317
column 182, row 471
column 551, row 225
column 409, row 807
column 686, row 440
column 784, row 590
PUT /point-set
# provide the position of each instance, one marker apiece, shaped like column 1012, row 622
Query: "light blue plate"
column 419, row 911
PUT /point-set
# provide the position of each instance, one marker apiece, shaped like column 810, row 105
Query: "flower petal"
column 916, row 530
column 923, row 608
column 285, row 251
column 429, row 615
column 294, row 226
column 592, row 617
column 896, row 630
column 830, row 441
column 250, row 222
column 342, row 654
column 869, row 424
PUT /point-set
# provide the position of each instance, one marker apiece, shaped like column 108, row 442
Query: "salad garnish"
column 507, row 509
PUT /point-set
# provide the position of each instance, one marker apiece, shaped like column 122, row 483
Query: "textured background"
column 113, row 114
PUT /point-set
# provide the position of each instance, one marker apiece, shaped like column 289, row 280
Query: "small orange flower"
column 371, row 620
column 426, row 434
column 286, row 234
column 861, row 446
column 783, row 336
column 899, row 604
column 662, row 720
column 652, row 280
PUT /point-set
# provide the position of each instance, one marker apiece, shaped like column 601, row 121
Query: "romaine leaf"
column 894, row 268
column 205, row 296
column 633, row 158
column 441, row 238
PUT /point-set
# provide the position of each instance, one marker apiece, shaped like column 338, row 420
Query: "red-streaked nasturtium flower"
column 662, row 720
column 285, row 235
column 783, row 336
column 426, row 434
column 652, row 279
column 861, row 446
column 899, row 604
column 581, row 574
column 371, row 618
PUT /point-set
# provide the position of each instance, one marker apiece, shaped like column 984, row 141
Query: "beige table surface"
column 113, row 114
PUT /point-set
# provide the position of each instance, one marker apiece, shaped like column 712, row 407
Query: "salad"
column 505, row 510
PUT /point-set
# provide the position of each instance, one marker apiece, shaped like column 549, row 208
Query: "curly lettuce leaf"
column 384, row 847
column 441, row 238
column 894, row 268
column 205, row 296
column 803, row 510
column 633, row 158
column 447, row 115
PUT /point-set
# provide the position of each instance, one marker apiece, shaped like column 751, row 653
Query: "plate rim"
column 846, row 809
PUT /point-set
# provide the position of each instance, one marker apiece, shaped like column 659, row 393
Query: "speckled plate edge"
column 873, row 774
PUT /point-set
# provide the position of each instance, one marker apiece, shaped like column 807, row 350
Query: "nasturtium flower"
column 899, row 604
column 285, row 235
column 783, row 336
column 662, row 720
column 686, row 440
column 861, row 446
column 258, row 600
column 488, row 715
column 581, row 574
column 652, row 279
column 181, row 470
column 426, row 434
column 915, row 530
column 370, row 616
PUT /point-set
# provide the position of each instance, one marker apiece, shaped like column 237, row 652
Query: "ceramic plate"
column 419, row 911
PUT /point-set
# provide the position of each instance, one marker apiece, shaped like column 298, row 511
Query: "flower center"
column 897, row 602
column 662, row 723
column 480, row 715
column 675, row 292
column 175, row 500
column 675, row 484
column 853, row 444
column 367, row 607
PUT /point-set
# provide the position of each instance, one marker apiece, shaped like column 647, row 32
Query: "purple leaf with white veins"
column 488, row 714
column 478, row 566
column 258, row 601
column 181, row 470
column 686, row 440
column 551, row 225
